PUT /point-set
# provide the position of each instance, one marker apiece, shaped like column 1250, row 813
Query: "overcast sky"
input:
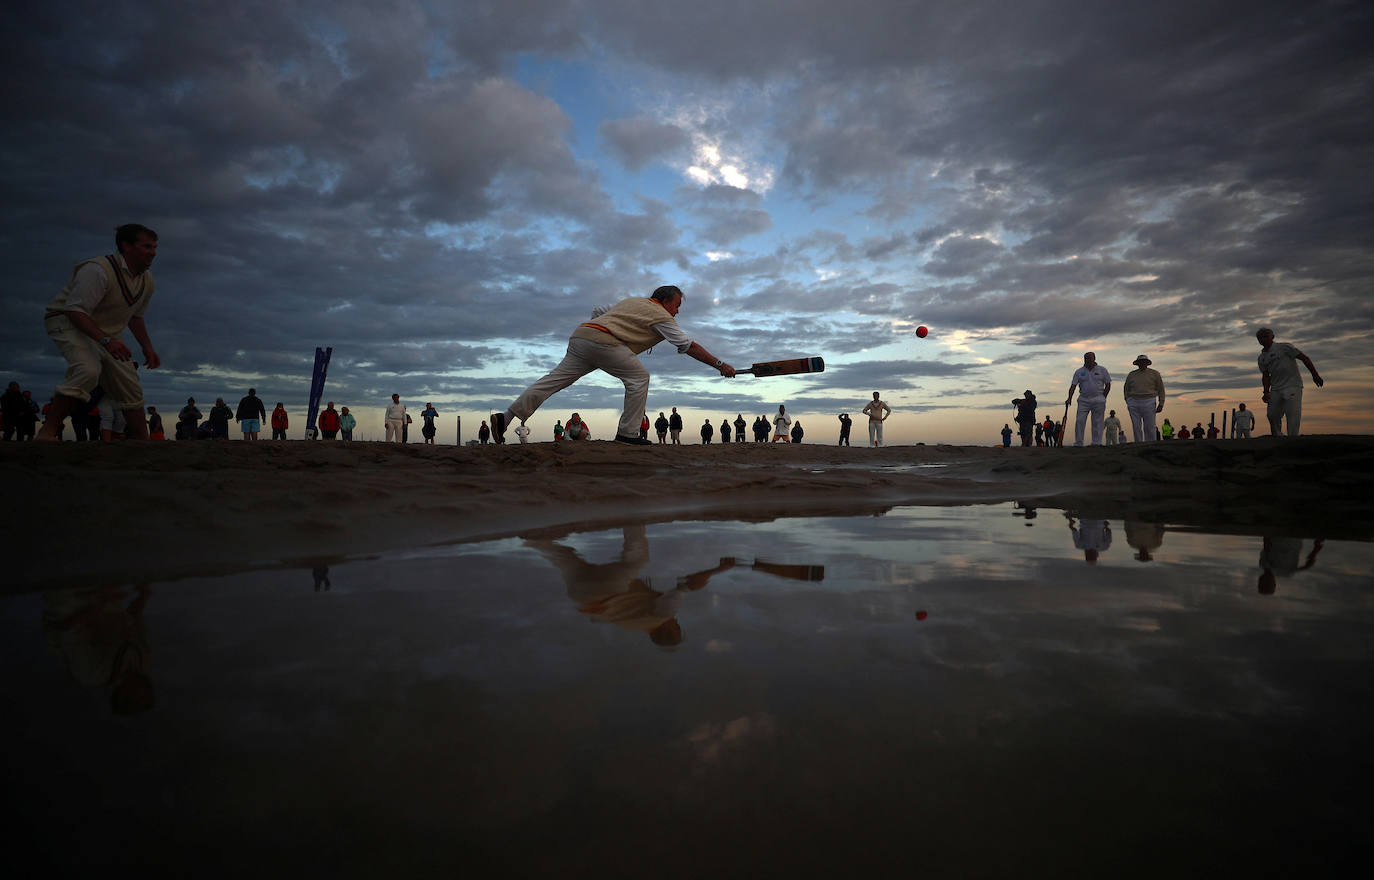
column 442, row 190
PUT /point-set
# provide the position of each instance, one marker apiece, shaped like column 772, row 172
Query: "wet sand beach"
column 169, row 509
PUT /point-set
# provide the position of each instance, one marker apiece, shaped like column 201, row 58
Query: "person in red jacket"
column 329, row 422
column 279, row 422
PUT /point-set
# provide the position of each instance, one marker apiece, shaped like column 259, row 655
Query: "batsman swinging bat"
column 787, row 368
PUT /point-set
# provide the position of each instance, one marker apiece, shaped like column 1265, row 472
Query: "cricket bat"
column 786, row 368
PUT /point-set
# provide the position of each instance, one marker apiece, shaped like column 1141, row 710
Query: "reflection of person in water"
column 1092, row 536
column 1144, row 537
column 1279, row 556
column 1024, row 508
column 321, row 575
column 613, row 592
column 103, row 642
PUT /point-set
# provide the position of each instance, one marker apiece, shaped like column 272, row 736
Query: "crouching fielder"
column 611, row 342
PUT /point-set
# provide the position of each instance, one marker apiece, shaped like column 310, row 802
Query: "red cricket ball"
column 922, row 330
column 920, row 615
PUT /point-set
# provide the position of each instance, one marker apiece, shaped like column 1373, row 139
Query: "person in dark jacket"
column 220, row 414
column 250, row 415
column 188, row 420
column 661, row 426
column 797, row 433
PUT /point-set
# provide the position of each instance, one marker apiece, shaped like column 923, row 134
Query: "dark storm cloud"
column 640, row 140
column 373, row 176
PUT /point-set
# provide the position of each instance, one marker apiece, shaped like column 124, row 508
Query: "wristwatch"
column 105, row 342
column 718, row 364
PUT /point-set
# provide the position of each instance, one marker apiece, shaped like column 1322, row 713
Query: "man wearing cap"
column 1278, row 363
column 1094, row 383
column 1144, row 390
column 86, row 321
column 611, row 342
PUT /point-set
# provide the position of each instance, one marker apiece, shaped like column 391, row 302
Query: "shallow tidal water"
column 971, row 691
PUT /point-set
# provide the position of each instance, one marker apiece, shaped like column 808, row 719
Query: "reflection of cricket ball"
column 921, row 615
column 922, row 330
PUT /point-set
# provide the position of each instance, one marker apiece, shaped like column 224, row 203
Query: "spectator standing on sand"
column 845, row 424
column 1111, row 429
column 797, row 432
column 1006, row 435
column 675, row 427
column 739, row 427
column 250, row 415
column 782, row 425
column 877, row 413
column 1278, row 364
column 113, row 424
column 725, row 430
column 1025, row 418
column 661, row 426
column 1198, row 432
column 707, row 432
column 1244, row 422
column 347, row 422
column 12, row 406
column 86, row 321
column 220, row 414
column 1166, row 431
column 395, row 420
column 1213, row 432
column 155, row 431
column 611, row 341
column 429, row 415
column 484, row 433
column 644, row 427
column 557, row 430
column 188, row 420
column 1093, row 383
column 280, row 421
column 1144, row 393
column 329, row 422
column 523, row 433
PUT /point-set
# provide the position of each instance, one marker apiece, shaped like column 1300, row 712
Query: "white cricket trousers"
column 1098, row 407
column 1285, row 404
column 394, row 427
column 1142, row 410
column 584, row 356
column 875, row 433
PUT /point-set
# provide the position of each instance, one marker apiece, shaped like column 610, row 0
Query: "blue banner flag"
column 317, row 390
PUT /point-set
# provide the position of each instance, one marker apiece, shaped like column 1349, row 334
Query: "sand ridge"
column 130, row 510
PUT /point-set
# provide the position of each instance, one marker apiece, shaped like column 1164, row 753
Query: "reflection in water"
column 1144, row 538
column 1026, row 509
column 613, row 592
column 103, row 642
column 1092, row 536
column 439, row 711
column 1279, row 556
column 321, row 576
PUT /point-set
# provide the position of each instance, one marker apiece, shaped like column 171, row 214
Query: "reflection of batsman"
column 613, row 592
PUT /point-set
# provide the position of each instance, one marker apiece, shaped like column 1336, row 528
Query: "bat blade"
column 787, row 367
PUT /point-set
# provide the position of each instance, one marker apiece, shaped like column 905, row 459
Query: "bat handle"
column 740, row 372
